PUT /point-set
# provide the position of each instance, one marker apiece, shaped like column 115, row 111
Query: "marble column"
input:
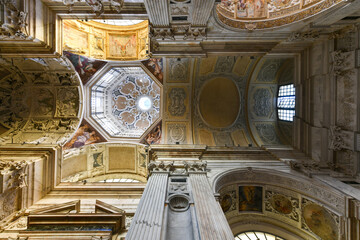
column 177, row 204
column 148, row 218
column 211, row 219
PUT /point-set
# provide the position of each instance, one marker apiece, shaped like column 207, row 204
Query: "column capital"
column 177, row 167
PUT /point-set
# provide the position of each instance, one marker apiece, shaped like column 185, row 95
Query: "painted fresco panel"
column 250, row 198
column 122, row 46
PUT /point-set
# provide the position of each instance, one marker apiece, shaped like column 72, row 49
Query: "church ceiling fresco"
column 125, row 102
column 84, row 66
column 103, row 41
column 155, row 66
column 84, row 135
column 154, row 136
column 40, row 100
column 262, row 14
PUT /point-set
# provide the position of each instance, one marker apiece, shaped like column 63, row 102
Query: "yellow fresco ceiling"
column 104, row 41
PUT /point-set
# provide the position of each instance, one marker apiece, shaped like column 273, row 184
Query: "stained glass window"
column 286, row 102
column 256, row 235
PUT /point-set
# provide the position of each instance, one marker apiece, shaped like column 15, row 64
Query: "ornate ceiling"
column 125, row 101
column 261, row 14
column 40, row 100
column 99, row 40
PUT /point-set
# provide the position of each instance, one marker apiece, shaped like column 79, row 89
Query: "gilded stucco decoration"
column 125, row 102
column 176, row 101
column 176, row 132
column 40, row 100
column 178, row 70
column 219, row 95
column 104, row 41
column 281, row 204
column 262, row 14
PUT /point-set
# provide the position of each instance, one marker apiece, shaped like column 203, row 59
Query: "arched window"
column 256, row 235
column 286, row 102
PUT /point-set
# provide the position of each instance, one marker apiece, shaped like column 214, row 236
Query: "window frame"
column 283, row 108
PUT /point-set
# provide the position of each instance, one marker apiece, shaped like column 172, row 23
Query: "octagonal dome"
column 125, row 101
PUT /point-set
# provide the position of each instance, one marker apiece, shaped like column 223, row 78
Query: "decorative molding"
column 279, row 203
column 342, row 32
column 178, row 168
column 195, row 33
column 161, row 33
column 295, row 182
column 117, row 5
column 340, row 65
column 336, row 141
column 97, row 6
column 177, row 97
column 15, row 28
column 304, row 36
column 12, row 174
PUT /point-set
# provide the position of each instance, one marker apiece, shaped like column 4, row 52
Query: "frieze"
column 161, row 33
column 178, row 168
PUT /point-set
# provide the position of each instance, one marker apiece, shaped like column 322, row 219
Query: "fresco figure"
column 250, row 198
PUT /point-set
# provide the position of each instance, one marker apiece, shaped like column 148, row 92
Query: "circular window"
column 144, row 103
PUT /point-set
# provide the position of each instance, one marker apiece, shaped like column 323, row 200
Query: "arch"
column 41, row 100
column 303, row 196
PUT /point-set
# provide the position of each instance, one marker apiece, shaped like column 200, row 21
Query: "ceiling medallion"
column 262, row 14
